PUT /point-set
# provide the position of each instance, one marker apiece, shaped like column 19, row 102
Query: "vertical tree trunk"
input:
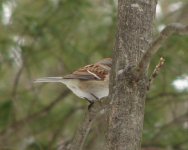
column 126, row 115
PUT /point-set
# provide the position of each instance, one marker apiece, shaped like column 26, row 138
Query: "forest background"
column 55, row 37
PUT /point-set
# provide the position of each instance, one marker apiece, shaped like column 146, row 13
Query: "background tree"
column 54, row 37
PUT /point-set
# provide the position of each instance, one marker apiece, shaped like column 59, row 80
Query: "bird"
column 90, row 82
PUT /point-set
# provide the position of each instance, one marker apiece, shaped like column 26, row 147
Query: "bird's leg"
column 90, row 103
column 96, row 98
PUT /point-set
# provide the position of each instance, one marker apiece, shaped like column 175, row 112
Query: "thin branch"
column 16, row 81
column 167, row 125
column 166, row 94
column 19, row 124
column 156, row 71
column 168, row 31
column 82, row 133
column 152, row 148
column 47, row 108
column 57, row 132
column 14, row 91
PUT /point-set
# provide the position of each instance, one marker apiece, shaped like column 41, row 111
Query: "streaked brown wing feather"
column 80, row 76
column 89, row 72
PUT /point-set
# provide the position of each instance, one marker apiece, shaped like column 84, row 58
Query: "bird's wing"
column 49, row 79
column 89, row 72
column 106, row 61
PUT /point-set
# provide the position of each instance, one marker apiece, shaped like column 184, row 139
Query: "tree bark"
column 127, row 89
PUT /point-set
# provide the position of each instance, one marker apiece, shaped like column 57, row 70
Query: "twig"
column 168, row 31
column 14, row 91
column 167, row 125
column 19, row 124
column 156, row 71
column 16, row 81
column 82, row 133
column 166, row 94
column 152, row 148
column 61, row 126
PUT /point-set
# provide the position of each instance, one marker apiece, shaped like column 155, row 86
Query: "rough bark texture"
column 135, row 21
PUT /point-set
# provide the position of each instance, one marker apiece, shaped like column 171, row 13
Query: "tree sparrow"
column 90, row 82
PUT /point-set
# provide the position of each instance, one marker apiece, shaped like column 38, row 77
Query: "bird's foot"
column 90, row 105
column 95, row 97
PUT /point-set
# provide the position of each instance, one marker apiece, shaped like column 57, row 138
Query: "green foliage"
column 53, row 38
column 5, row 113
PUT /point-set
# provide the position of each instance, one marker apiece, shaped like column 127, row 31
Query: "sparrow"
column 90, row 82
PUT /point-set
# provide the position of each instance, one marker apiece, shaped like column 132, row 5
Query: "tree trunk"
column 126, row 115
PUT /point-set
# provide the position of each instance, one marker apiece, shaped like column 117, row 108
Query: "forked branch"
column 168, row 31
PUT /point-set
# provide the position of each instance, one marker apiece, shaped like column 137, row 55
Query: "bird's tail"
column 49, row 79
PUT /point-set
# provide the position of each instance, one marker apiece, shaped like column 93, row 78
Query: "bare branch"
column 168, row 31
column 168, row 94
column 156, row 71
column 152, row 148
column 57, row 132
column 20, row 123
column 16, row 81
column 176, row 120
column 82, row 133
column 14, row 91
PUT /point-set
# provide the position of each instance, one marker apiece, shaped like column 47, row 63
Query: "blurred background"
column 55, row 37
